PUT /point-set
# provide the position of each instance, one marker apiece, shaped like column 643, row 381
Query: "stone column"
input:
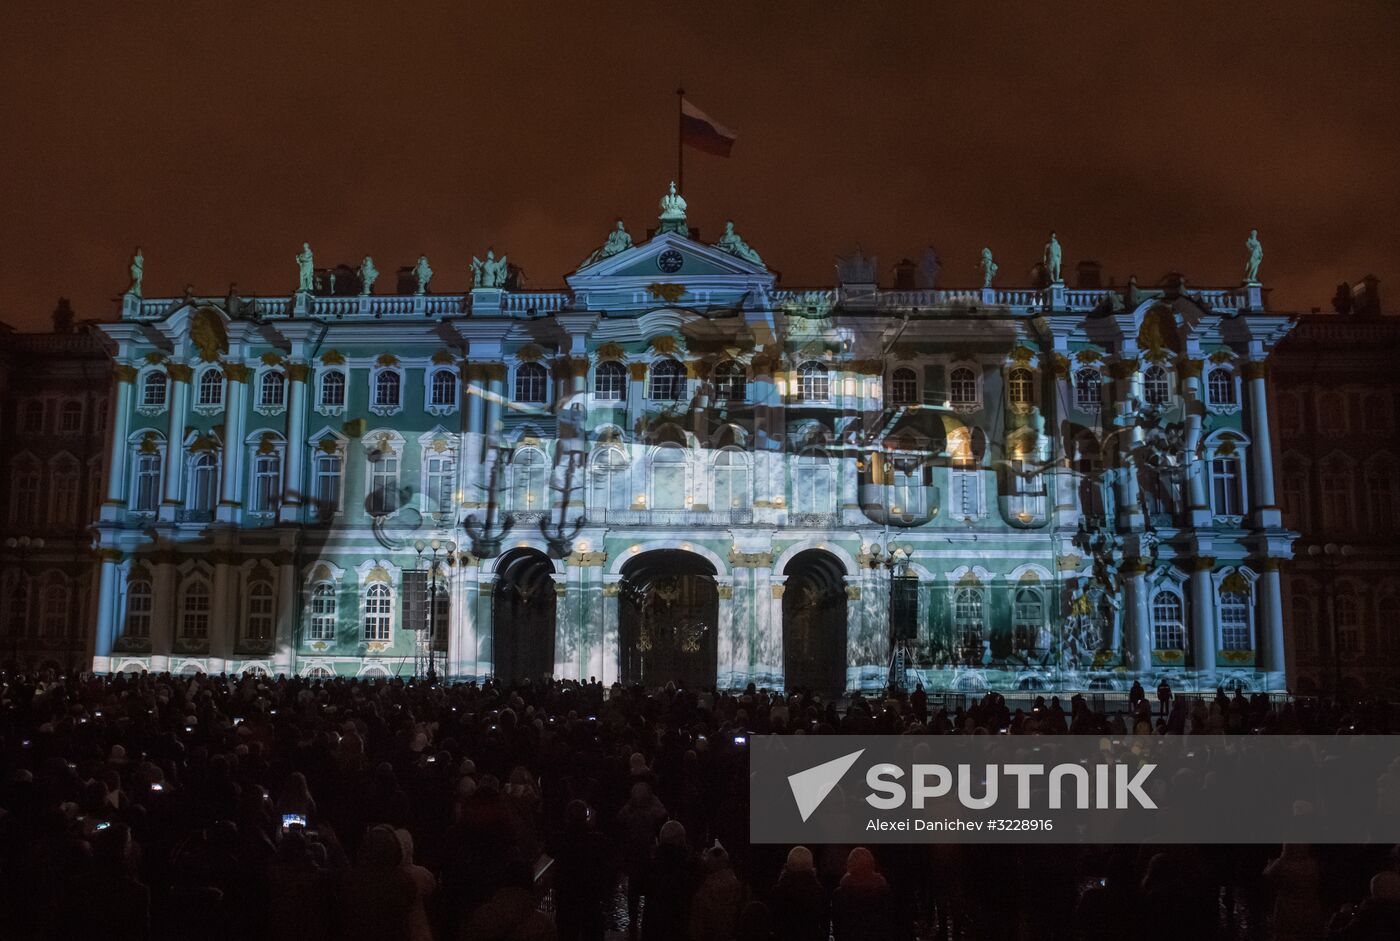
column 1197, row 500
column 1127, row 389
column 108, row 626
column 1261, row 451
column 485, row 648
column 1139, row 612
column 1274, row 661
column 612, row 648
column 173, row 490
column 164, row 612
column 293, row 474
column 725, row 640
column 225, row 610
column 284, row 643
column 231, row 483
column 1203, row 618
column 474, row 451
column 568, row 642
column 118, row 457
column 770, row 666
column 1066, row 510
column 862, row 593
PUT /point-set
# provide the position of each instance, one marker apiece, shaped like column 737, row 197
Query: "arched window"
column 194, row 611
column 146, row 477
column 1304, row 619
column 267, row 483
column 211, row 389
column 731, row 480
column 813, row 488
column 1347, row 612
column 379, row 613
column 1088, row 389
column 904, row 386
column 323, row 611
column 272, row 389
column 1156, row 386
column 667, row 381
column 962, row 387
column 1380, row 495
column 610, row 382
column 387, row 389
column 70, row 418
column 258, row 624
column 610, row 492
column 25, row 509
column 813, row 384
column 1028, row 621
column 528, row 470
column 1227, row 477
column 140, row 603
column 1337, row 505
column 1168, row 621
column 33, row 421
column 531, row 383
column 967, row 621
column 668, row 488
column 1234, row 621
column 55, row 611
column 153, row 389
column 440, row 481
column 1220, row 386
column 204, row 482
column 442, row 390
column 1020, row 387
column 907, row 493
column 1388, row 623
column 332, row 394
column 64, row 484
column 731, row 382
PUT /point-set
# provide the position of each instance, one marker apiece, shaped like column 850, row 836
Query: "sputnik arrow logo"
column 810, row 787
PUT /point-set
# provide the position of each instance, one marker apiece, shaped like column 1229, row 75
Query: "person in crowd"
column 1295, row 877
column 714, row 912
column 860, row 904
column 798, row 902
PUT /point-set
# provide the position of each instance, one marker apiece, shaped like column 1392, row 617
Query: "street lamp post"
column 1330, row 556
column 896, row 561
column 441, row 550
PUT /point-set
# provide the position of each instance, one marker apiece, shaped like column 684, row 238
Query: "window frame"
column 433, row 380
column 210, row 391
column 381, row 379
column 141, row 589
column 65, row 409
column 964, row 387
column 1168, row 615
column 319, row 616
column 1241, row 603
column 150, row 379
column 531, row 379
column 1088, row 389
column 663, row 373
column 813, row 383
column 1021, row 388
column 323, row 405
column 1157, row 377
column 903, row 386
column 730, row 381
column 377, row 613
column 251, row 613
column 605, row 375
column 196, row 617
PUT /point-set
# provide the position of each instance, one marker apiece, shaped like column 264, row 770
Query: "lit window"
column 813, row 384
column 204, row 482
column 146, row 483
column 211, row 388
column 528, row 471
column 610, row 382
column 267, row 483
column 383, row 497
column 443, row 389
column 326, row 484
column 1088, row 389
column 667, row 381
column 907, row 493
column 260, row 608
column 1020, row 387
column 272, row 390
column 967, row 621
column 153, row 389
column 387, row 389
column 904, row 387
column 140, row 603
column 1226, row 479
column 440, row 471
column 1168, row 622
column 962, row 387
column 531, row 384
column 333, row 389
column 731, row 480
column 379, row 613
column 1234, row 621
column 70, row 418
column 813, row 491
column 731, row 383
column 194, row 612
column 323, row 612
column 1028, row 621
column 1220, row 386
column 1156, row 389
column 668, row 465
column 610, row 491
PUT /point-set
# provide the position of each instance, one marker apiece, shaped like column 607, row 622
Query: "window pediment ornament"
column 180, row 372
column 386, row 359
column 530, row 353
column 333, row 358
column 610, row 351
column 1021, row 355
column 208, row 334
column 443, row 358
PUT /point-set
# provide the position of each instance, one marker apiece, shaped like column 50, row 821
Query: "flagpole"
column 680, row 140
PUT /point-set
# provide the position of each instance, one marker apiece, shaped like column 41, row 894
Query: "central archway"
column 814, row 623
column 668, row 616
column 522, row 615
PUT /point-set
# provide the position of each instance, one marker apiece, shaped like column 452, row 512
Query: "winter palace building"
column 671, row 468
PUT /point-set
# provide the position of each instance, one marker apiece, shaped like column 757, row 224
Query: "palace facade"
column 672, row 468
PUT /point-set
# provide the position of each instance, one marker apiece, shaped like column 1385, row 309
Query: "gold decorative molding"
column 725, row 591
column 530, row 353
column 1060, row 364
column 1189, row 368
column 578, row 366
column 1202, row 563
column 609, row 351
column 124, row 373
column 610, row 590
column 665, row 345
column 272, row 358
column 750, row 560
column 494, row 371
column 386, row 359
column 298, row 372
column 1222, row 356
column 267, row 444
column 235, row 372
column 154, row 358
column 669, row 293
column 179, row 372
column 586, row 559
column 1235, row 582
column 1088, row 356
column 328, row 445
column 1021, row 355
column 149, row 443
column 852, row 592
column 560, row 589
column 637, row 371
column 444, row 358
column 332, row 358
column 1256, row 369
column 378, row 574
column 778, row 590
column 1068, row 562
column 1122, row 369
column 109, row 555
column 208, row 334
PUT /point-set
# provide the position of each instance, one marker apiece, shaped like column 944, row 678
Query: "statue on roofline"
column 672, row 205
column 618, row 241
column 731, row 242
column 422, row 274
column 490, row 273
column 368, row 275
column 306, row 270
column 1052, row 260
column 1256, row 255
column 138, row 270
column 989, row 268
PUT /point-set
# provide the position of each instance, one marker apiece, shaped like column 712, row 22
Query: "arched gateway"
column 814, row 623
column 668, row 614
column 523, row 612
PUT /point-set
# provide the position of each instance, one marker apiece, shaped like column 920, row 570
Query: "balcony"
column 890, row 507
column 677, row 518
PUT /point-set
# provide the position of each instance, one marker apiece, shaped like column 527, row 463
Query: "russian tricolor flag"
column 703, row 132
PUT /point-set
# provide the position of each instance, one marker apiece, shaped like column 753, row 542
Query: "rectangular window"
column 323, row 609
column 70, row 418
column 267, row 483
column 147, row 484
column 384, row 485
column 1336, row 500
column 139, row 605
column 441, row 482
column 1380, row 500
column 327, row 484
column 967, row 493
column 1234, row 621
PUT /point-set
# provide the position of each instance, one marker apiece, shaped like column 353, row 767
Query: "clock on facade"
column 670, row 261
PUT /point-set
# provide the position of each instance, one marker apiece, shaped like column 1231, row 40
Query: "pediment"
column 710, row 275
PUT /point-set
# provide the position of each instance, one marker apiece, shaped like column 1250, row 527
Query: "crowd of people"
column 153, row 806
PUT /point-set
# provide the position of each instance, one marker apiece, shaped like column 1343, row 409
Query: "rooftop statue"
column 989, row 268
column 1256, row 255
column 731, row 243
column 856, row 268
column 306, row 269
column 1052, row 260
column 618, row 241
column 368, row 275
column 490, row 273
column 422, row 274
column 138, row 270
column 672, row 206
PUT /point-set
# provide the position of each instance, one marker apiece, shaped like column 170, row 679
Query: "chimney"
column 904, row 272
column 63, row 316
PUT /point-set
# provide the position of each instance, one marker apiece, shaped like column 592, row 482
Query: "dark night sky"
column 220, row 135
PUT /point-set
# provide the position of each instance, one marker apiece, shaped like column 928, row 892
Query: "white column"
column 105, row 635
column 231, row 484
column 1197, row 503
column 1271, row 622
column 117, row 455
column 1127, row 388
column 770, row 666
column 1203, row 617
column 224, row 612
column 461, row 641
column 1261, row 451
column 180, row 376
column 473, row 452
column 485, row 649
column 859, row 595
column 284, row 646
column 612, row 649
column 1140, row 636
column 164, row 612
column 292, row 474
column 725, row 640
